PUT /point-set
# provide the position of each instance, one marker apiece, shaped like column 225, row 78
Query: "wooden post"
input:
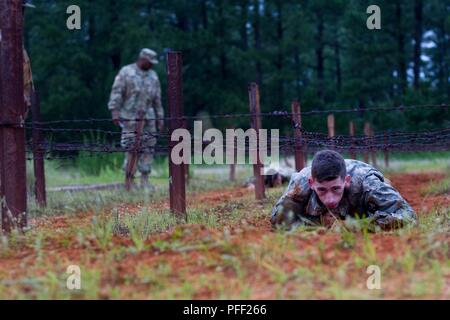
column 373, row 151
column 38, row 152
column 253, row 93
column 367, row 137
column 13, row 189
column 233, row 165
column 352, row 134
column 186, row 173
column 297, row 119
column 386, row 151
column 233, row 172
column 177, row 184
column 331, row 132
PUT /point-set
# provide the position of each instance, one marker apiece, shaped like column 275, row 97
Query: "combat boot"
column 145, row 184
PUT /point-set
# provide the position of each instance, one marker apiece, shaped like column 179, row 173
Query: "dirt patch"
column 412, row 185
column 243, row 259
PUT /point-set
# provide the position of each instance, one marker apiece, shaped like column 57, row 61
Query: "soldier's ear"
column 348, row 180
column 310, row 181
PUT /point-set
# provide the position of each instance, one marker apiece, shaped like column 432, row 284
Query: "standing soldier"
column 136, row 94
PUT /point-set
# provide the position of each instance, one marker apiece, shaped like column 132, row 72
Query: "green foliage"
column 318, row 51
column 93, row 163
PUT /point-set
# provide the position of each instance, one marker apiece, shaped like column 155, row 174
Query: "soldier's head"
column 329, row 177
column 147, row 58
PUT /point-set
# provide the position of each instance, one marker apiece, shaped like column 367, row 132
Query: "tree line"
column 320, row 52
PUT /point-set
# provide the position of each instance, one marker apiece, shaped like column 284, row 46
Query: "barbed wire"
column 276, row 113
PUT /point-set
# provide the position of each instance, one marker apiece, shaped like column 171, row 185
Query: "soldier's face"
column 144, row 64
column 330, row 192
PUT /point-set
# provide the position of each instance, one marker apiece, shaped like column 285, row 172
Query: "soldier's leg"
column 147, row 156
column 127, row 141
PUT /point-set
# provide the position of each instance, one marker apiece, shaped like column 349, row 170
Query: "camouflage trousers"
column 146, row 146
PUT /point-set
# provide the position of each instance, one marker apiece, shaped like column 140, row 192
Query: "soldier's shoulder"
column 361, row 169
column 128, row 70
column 302, row 176
column 152, row 74
column 356, row 165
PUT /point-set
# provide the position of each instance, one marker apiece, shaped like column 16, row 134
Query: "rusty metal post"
column 38, row 152
column 386, row 151
column 367, row 139
column 253, row 93
column 352, row 134
column 13, row 189
column 298, row 146
column 331, row 132
column 177, row 183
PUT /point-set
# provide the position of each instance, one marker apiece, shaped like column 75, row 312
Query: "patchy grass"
column 129, row 246
column 439, row 187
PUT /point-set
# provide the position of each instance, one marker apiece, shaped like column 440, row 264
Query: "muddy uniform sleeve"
column 385, row 204
column 289, row 210
column 118, row 92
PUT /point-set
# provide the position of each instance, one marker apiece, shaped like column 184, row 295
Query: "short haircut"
column 328, row 165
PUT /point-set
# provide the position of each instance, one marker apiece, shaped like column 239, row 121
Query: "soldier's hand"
column 116, row 118
column 160, row 125
column 328, row 220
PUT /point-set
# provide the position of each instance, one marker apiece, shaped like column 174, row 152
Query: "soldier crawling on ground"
column 273, row 177
column 332, row 189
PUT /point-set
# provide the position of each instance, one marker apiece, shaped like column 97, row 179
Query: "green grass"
column 230, row 266
column 441, row 187
column 128, row 255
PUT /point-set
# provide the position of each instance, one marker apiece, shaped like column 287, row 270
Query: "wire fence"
column 119, row 141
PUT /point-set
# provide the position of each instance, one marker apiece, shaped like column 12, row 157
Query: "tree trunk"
column 114, row 20
column 257, row 35
column 337, row 61
column 223, row 57
column 243, row 29
column 401, row 63
column 418, row 9
column 320, row 58
column 204, row 10
column 280, row 57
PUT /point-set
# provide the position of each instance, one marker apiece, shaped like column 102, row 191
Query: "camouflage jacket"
column 369, row 195
column 136, row 90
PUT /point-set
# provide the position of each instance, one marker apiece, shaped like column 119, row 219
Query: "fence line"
column 302, row 141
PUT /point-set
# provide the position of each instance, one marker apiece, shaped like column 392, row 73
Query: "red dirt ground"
column 250, row 231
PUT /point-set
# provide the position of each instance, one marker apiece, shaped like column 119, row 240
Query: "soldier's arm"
column 385, row 204
column 157, row 101
column 118, row 92
column 27, row 80
column 288, row 210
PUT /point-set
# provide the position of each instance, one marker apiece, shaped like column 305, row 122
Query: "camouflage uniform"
column 369, row 195
column 135, row 90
